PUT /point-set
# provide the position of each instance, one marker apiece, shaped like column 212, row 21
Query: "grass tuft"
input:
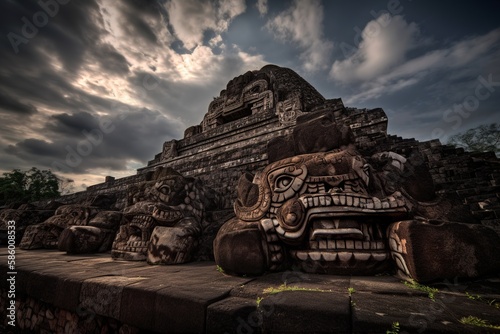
column 424, row 288
column 478, row 322
column 394, row 329
column 284, row 287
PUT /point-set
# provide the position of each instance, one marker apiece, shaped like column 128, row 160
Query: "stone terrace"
column 95, row 294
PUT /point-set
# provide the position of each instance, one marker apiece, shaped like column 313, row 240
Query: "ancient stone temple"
column 275, row 182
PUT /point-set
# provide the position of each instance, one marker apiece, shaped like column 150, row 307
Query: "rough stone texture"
column 165, row 219
column 327, row 206
column 60, row 293
column 428, row 250
column 219, row 155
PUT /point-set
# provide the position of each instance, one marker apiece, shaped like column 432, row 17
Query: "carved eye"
column 283, row 183
column 164, row 190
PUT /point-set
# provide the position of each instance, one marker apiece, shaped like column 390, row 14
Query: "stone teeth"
column 349, row 244
column 310, row 202
column 392, row 202
column 313, row 244
column 328, row 256
column 362, row 256
column 336, row 199
column 340, row 244
column 301, row 255
column 349, row 200
column 344, row 256
column 315, row 256
column 369, row 204
column 370, row 231
column 331, row 244
column 358, row 244
column 366, row 245
column 342, row 199
column 356, row 202
column 322, row 200
column 328, row 200
column 385, row 205
column 336, row 222
column 316, row 201
column 379, row 256
column 376, row 203
column 380, row 245
column 322, row 244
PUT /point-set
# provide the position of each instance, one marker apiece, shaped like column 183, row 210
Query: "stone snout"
column 337, row 233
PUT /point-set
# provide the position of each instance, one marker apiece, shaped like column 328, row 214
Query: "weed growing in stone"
column 394, row 329
column 350, row 291
column 475, row 321
column 491, row 302
column 259, row 299
column 284, row 287
column 424, row 288
column 219, row 269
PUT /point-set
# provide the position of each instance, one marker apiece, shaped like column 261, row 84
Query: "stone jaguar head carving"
column 169, row 213
column 24, row 216
column 97, row 236
column 46, row 234
column 326, row 211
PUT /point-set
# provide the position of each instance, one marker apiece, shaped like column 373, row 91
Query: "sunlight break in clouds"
column 303, row 23
column 191, row 18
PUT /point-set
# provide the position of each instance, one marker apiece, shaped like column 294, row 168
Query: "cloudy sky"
column 93, row 88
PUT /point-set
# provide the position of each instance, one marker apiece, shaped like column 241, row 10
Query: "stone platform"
column 197, row 298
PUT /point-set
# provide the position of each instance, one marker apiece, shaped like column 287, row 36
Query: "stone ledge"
column 196, row 298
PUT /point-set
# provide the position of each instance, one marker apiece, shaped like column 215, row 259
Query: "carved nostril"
column 291, row 215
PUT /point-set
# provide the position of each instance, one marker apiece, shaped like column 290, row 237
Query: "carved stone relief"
column 164, row 220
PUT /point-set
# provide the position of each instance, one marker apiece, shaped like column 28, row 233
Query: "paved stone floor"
column 197, row 298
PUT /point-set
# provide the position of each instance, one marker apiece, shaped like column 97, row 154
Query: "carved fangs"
column 366, row 203
column 167, row 215
column 340, row 256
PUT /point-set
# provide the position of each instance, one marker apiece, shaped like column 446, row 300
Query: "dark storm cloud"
column 9, row 104
column 29, row 148
column 111, row 59
column 137, row 16
column 81, row 141
column 72, row 125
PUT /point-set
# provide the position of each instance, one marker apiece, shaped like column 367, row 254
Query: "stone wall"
column 35, row 316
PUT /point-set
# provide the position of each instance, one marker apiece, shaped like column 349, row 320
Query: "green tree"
column 479, row 139
column 28, row 186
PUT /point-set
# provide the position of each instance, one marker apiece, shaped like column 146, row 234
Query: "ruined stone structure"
column 328, row 209
column 254, row 122
column 313, row 183
column 165, row 219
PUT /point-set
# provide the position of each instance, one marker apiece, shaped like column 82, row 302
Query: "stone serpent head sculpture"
column 164, row 219
column 322, row 206
column 318, row 210
column 46, row 234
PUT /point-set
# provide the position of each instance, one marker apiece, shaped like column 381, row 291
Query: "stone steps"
column 92, row 293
